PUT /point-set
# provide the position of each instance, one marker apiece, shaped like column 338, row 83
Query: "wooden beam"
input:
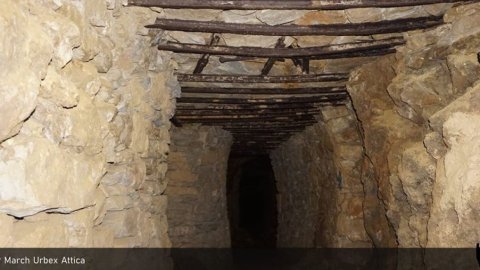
column 183, row 117
column 203, row 61
column 283, row 5
column 218, row 78
column 267, row 119
column 258, row 52
column 344, row 29
column 271, row 61
column 377, row 52
column 256, row 124
column 263, row 91
column 299, row 111
column 209, row 100
column 238, row 131
column 200, row 106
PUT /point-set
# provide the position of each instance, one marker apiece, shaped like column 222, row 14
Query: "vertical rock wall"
column 320, row 193
column 418, row 123
column 84, row 126
column 197, row 175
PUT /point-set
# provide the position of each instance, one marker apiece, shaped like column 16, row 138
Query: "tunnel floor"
column 252, row 202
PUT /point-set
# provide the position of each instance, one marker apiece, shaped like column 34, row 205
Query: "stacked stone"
column 197, row 203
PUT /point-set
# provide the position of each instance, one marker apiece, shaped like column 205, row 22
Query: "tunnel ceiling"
column 264, row 69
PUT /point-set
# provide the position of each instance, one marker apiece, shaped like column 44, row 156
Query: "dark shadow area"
column 252, row 204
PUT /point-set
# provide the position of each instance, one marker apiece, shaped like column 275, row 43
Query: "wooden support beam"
column 306, row 65
column 207, row 113
column 324, row 52
column 218, row 78
column 285, row 4
column 267, row 119
column 344, row 29
column 203, row 61
column 237, row 131
column 297, row 62
column 183, row 117
column 263, row 91
column 288, row 100
column 271, row 61
column 200, row 106
column 256, row 124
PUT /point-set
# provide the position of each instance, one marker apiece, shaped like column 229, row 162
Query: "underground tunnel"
column 251, row 197
column 240, row 124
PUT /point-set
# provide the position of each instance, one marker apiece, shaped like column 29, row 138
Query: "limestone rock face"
column 32, row 181
column 84, row 131
column 455, row 195
column 26, row 52
column 417, row 122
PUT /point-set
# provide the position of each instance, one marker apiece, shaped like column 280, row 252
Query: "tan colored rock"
column 81, row 127
column 84, row 76
column 453, row 220
column 30, row 181
column 59, row 89
column 24, row 44
column 88, row 36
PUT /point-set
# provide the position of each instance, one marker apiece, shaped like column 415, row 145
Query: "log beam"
column 206, row 113
column 324, row 52
column 345, row 29
column 200, row 106
column 203, row 61
column 368, row 53
column 217, row 78
column 285, row 4
column 290, row 100
column 263, row 91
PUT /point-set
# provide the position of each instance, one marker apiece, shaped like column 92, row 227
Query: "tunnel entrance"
column 252, row 203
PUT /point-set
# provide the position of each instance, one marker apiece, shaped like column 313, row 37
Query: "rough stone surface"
column 417, row 121
column 84, row 130
column 321, row 201
column 197, row 203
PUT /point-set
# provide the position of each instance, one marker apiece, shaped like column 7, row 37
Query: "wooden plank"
column 344, row 29
column 284, row 5
column 324, row 52
column 268, row 120
column 289, row 100
column 218, row 78
column 206, row 113
column 297, row 62
column 263, row 91
column 244, row 116
column 256, row 124
column 206, row 106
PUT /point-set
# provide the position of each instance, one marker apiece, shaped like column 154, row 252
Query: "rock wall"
column 197, row 173
column 318, row 179
column 84, row 132
column 417, row 123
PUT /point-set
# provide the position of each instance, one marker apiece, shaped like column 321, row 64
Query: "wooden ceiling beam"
column 343, row 29
column 200, row 106
column 284, row 5
column 219, row 78
column 263, row 91
column 207, row 113
column 288, row 100
column 324, row 52
column 370, row 53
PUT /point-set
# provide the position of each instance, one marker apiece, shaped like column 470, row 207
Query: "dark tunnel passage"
column 251, row 193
